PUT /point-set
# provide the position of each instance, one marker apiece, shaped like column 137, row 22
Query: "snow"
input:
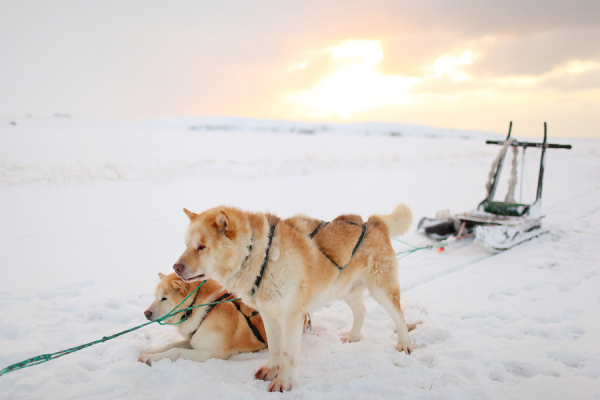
column 92, row 210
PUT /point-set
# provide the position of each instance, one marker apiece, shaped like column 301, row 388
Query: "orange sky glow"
column 465, row 65
column 345, row 82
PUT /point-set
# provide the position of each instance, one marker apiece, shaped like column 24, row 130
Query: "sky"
column 464, row 64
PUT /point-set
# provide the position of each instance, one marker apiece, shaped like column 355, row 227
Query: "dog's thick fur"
column 229, row 245
column 224, row 333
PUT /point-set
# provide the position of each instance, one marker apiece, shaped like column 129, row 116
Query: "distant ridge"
column 241, row 124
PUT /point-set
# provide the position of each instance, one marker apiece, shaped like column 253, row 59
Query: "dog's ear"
column 224, row 225
column 161, row 275
column 189, row 213
column 180, row 286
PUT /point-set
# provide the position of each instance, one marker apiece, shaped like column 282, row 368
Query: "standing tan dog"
column 286, row 268
column 219, row 331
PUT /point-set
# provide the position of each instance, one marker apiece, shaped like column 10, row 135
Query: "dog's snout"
column 179, row 268
column 148, row 314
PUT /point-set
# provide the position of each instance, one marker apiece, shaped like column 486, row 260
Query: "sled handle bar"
column 529, row 144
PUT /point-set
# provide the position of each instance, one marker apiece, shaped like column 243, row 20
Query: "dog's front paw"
column 350, row 338
column 266, row 374
column 278, row 385
column 146, row 358
column 405, row 347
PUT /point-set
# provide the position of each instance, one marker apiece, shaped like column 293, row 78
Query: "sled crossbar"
column 530, row 144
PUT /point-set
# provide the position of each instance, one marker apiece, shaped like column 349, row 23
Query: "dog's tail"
column 399, row 221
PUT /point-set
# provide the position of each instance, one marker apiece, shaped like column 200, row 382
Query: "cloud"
column 571, row 77
column 476, row 18
column 570, row 83
column 534, row 54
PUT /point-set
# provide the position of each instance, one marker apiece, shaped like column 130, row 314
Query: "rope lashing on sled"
column 512, row 181
column 48, row 357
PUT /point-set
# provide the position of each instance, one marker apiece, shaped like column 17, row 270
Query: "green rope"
column 48, row 357
column 408, row 244
column 414, row 249
column 439, row 245
column 409, row 252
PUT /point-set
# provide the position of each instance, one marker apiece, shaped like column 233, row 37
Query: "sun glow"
column 345, row 82
column 354, row 85
column 448, row 65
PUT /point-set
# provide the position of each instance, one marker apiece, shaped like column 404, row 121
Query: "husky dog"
column 287, row 268
column 218, row 331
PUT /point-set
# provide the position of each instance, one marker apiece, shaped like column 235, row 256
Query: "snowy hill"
column 92, row 210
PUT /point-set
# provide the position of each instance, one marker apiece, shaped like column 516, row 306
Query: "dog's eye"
column 164, row 298
column 200, row 247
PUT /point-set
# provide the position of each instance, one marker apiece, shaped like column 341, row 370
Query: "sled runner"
column 498, row 225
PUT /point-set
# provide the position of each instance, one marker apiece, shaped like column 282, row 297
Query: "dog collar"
column 263, row 267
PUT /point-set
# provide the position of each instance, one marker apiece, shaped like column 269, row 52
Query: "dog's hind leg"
column 385, row 289
column 291, row 329
column 355, row 299
column 269, row 372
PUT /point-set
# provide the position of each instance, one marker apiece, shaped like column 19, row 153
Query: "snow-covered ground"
column 91, row 211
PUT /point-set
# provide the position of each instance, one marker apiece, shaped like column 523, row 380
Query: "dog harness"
column 322, row 225
column 250, row 324
column 318, row 228
column 263, row 267
column 189, row 312
column 356, row 247
column 224, row 297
